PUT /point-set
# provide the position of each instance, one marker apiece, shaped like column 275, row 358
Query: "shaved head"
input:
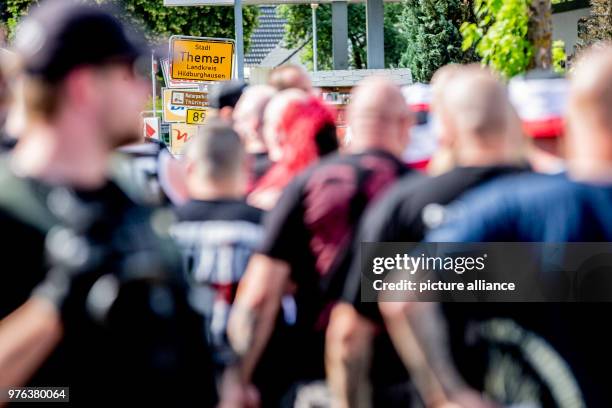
column 377, row 98
column 589, row 116
column 216, row 150
column 290, row 76
column 253, row 102
column 478, row 125
column 477, row 102
column 591, row 88
column 379, row 116
column 438, row 84
column 248, row 116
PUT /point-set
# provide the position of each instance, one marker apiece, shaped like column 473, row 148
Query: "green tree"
column 299, row 31
column 431, row 33
column 500, row 35
column 159, row 22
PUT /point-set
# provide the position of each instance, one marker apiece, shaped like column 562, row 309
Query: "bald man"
column 541, row 208
column 290, row 76
column 248, row 118
column 475, row 129
column 310, row 227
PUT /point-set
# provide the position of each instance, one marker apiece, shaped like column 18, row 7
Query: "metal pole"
column 239, row 39
column 314, row 37
column 340, row 34
column 154, row 83
column 375, row 33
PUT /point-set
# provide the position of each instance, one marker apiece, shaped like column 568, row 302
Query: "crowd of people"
column 231, row 275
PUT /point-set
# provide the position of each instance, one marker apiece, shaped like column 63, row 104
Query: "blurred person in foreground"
column 540, row 99
column 474, row 127
column 6, row 142
column 441, row 160
column 290, row 77
column 217, row 230
column 249, row 123
column 542, row 208
column 310, row 227
column 299, row 130
column 92, row 297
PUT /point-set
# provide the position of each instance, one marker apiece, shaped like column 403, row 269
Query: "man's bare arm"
column 255, row 310
column 410, row 348
column 27, row 337
column 420, row 336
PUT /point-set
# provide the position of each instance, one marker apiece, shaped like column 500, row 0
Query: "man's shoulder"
column 354, row 167
column 229, row 210
column 524, row 188
column 514, row 197
column 361, row 159
column 23, row 200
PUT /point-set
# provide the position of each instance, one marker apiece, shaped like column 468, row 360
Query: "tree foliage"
column 431, row 35
column 500, row 35
column 598, row 26
column 559, row 59
column 159, row 22
column 299, row 30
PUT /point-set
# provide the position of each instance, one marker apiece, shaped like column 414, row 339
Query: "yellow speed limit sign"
column 201, row 59
column 196, row 116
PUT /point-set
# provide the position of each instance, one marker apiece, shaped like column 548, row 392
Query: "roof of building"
column 350, row 77
column 268, row 34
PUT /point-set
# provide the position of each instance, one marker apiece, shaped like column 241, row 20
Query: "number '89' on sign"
column 196, row 116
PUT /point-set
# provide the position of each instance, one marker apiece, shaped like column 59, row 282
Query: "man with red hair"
column 302, row 131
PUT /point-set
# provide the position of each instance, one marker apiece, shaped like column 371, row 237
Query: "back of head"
column 299, row 125
column 305, row 131
column 590, row 100
column 253, row 102
column 216, row 150
column 477, row 103
column 589, row 116
column 273, row 115
column 439, row 82
column 379, row 116
column 249, row 112
column 290, row 76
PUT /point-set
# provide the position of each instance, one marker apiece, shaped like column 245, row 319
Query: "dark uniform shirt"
column 147, row 336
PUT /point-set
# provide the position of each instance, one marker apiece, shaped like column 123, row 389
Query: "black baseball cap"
column 60, row 35
column 225, row 94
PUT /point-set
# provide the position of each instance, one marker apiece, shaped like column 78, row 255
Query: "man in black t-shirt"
column 538, row 208
column 104, row 307
column 217, row 230
column 311, row 225
column 483, row 148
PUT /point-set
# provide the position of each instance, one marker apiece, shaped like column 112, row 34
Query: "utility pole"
column 239, row 39
column 314, row 6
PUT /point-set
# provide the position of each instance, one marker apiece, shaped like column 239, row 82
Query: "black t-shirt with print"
column 314, row 221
